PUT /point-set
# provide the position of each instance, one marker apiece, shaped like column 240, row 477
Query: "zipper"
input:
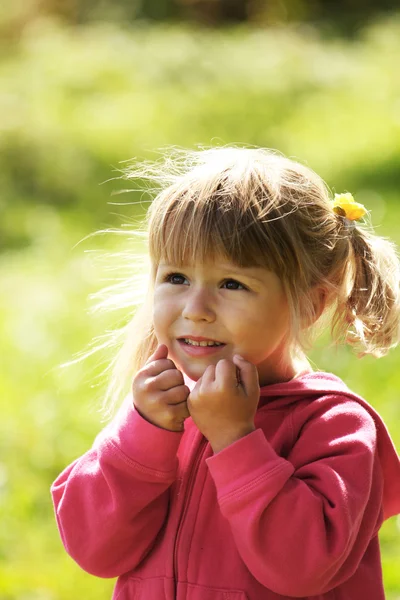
column 186, row 501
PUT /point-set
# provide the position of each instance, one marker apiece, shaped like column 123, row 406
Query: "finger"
column 248, row 375
column 169, row 379
column 176, row 395
column 225, row 371
column 158, row 366
column 178, row 413
column 160, row 352
column 208, row 375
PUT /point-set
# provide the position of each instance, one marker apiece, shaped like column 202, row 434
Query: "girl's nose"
column 198, row 306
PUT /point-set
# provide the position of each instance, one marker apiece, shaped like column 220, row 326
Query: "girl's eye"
column 232, row 284
column 175, row 278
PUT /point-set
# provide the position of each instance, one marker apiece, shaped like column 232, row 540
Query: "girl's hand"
column 159, row 392
column 223, row 405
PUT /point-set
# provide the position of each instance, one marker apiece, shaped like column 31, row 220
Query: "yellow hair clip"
column 345, row 206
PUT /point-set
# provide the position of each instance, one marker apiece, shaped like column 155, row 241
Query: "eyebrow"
column 243, row 273
column 226, row 268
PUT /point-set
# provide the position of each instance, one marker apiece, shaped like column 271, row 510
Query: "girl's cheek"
column 163, row 316
column 157, row 320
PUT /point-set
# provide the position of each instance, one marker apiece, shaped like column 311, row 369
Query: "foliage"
column 75, row 102
column 348, row 15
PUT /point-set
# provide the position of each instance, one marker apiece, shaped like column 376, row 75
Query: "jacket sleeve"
column 111, row 503
column 303, row 523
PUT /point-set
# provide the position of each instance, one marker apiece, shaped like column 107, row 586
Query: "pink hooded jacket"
column 292, row 510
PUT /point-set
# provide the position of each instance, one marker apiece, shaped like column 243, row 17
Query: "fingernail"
column 239, row 357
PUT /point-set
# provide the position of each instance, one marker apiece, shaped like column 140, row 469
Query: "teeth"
column 205, row 343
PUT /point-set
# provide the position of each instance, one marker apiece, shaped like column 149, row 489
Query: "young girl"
column 233, row 471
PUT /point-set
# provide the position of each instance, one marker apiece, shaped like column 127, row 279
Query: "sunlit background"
column 87, row 85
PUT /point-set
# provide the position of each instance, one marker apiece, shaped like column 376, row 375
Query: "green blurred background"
column 86, row 85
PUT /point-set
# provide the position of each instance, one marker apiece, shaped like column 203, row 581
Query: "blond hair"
column 256, row 207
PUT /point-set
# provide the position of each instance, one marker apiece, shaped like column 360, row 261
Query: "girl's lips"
column 199, row 350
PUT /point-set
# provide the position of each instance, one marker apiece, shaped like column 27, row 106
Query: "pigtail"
column 371, row 309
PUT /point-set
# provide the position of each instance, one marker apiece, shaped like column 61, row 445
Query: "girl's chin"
column 192, row 373
column 194, row 368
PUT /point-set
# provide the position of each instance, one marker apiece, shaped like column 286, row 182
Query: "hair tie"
column 345, row 206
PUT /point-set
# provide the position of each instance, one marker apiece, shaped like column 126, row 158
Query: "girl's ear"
column 318, row 296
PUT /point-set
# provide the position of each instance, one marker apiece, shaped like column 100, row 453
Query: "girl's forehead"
column 186, row 231
column 215, row 260
column 212, row 253
column 217, row 263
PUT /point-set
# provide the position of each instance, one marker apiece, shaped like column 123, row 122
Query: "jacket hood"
column 320, row 383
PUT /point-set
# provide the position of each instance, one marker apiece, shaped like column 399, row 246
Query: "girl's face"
column 235, row 310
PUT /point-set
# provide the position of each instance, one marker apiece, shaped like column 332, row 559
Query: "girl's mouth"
column 200, row 347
